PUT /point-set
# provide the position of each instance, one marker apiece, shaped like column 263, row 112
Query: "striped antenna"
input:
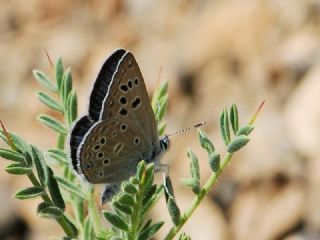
column 185, row 129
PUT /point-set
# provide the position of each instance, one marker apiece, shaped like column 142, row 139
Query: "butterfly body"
column 120, row 129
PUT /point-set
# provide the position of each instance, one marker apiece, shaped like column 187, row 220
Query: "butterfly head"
column 164, row 143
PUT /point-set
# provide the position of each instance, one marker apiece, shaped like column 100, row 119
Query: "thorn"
column 256, row 114
column 10, row 142
column 49, row 58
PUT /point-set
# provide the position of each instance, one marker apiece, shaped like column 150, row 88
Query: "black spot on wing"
column 102, row 82
column 79, row 130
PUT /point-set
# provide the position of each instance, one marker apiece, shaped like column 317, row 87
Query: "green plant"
column 53, row 181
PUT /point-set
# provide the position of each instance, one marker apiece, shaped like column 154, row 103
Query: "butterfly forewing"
column 128, row 98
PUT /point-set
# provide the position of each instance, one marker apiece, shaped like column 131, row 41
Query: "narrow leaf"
column 238, row 143
column 66, row 85
column 41, row 166
column 214, row 161
column 72, row 103
column 52, row 123
column 168, row 189
column 59, row 72
column 115, row 220
column 173, row 210
column 246, row 130
column 18, row 169
column 224, row 126
column 150, row 231
column 46, row 210
column 140, row 170
column 234, row 118
column 125, row 199
column 30, row 192
column 194, row 165
column 54, row 191
column 11, row 155
column 49, row 101
column 88, row 228
column 205, row 142
column 125, row 209
column 149, row 194
column 70, row 187
column 149, row 176
column 129, row 188
column 43, row 80
column 161, row 128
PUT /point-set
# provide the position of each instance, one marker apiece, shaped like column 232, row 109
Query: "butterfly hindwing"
column 112, row 149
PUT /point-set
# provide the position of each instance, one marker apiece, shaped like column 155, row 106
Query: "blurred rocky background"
column 213, row 53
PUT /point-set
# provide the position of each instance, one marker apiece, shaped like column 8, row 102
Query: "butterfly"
column 120, row 128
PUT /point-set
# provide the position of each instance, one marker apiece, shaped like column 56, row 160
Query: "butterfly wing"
column 119, row 96
column 111, row 150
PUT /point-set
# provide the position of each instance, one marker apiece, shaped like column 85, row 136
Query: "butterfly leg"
column 109, row 191
column 164, row 168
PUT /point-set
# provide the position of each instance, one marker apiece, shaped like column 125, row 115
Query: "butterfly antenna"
column 186, row 129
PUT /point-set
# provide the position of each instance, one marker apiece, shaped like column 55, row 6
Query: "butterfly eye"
column 136, row 81
column 136, row 140
column 130, row 84
column 100, row 173
column 123, row 100
column 100, row 155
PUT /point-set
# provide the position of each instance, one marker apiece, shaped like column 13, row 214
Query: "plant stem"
column 196, row 201
column 93, row 211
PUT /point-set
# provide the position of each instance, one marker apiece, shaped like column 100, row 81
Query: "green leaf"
column 214, row 161
column 72, row 103
column 71, row 226
column 140, row 170
column 163, row 104
column 70, row 187
column 194, row 165
column 66, row 85
column 23, row 148
column 159, row 93
column 41, row 166
column 30, row 192
column 246, row 130
column 149, row 194
column 46, row 210
column 49, row 101
column 168, row 189
column 161, row 128
column 59, row 156
column 125, row 199
column 184, row 236
column 174, row 210
column 234, row 118
column 43, row 80
column 54, row 191
column 224, row 126
column 18, row 169
column 149, row 177
column 134, row 180
column 191, row 183
column 129, row 188
column 125, row 209
column 52, row 123
column 59, row 72
column 238, row 143
column 205, row 142
column 150, row 231
column 115, row 220
column 11, row 155
column 88, row 228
